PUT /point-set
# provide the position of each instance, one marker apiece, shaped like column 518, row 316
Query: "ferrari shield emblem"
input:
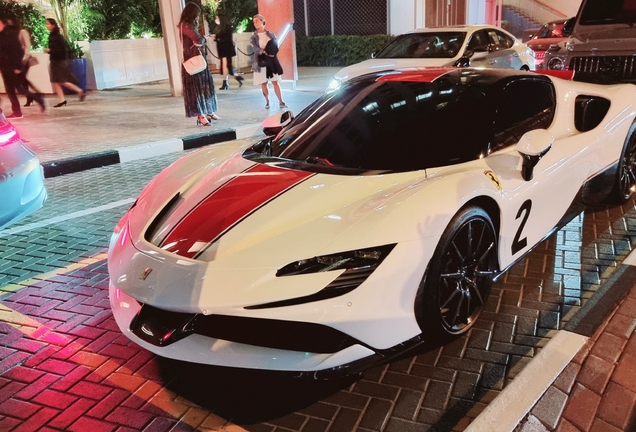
column 493, row 178
column 145, row 273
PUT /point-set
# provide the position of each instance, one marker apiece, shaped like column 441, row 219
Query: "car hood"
column 319, row 214
column 379, row 64
column 543, row 44
column 235, row 210
column 616, row 33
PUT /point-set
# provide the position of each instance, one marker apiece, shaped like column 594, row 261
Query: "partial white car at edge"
column 22, row 188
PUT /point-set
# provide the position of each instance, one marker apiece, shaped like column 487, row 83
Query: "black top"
column 58, row 48
column 224, row 41
column 11, row 51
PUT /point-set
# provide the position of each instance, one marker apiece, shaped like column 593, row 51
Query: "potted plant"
column 77, row 63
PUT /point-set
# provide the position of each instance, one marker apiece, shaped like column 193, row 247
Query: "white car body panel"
column 327, row 214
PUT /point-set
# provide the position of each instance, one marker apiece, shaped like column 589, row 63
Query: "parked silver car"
column 472, row 45
column 22, row 188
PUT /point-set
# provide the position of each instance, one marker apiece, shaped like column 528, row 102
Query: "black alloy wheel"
column 460, row 275
column 626, row 172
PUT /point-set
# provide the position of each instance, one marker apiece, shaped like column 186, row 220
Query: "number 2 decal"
column 517, row 243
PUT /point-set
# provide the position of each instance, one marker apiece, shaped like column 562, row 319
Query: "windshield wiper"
column 319, row 161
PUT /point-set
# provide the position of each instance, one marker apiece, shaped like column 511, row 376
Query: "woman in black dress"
column 199, row 97
column 59, row 67
column 225, row 48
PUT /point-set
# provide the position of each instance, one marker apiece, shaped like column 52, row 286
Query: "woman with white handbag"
column 199, row 97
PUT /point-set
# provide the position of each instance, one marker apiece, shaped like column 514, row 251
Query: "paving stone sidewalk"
column 596, row 392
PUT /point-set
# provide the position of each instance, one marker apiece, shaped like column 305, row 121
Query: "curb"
column 508, row 410
column 141, row 151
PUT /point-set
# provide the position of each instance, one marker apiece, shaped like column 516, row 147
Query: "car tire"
column 625, row 179
column 459, row 276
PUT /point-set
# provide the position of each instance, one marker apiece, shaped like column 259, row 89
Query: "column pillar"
column 170, row 12
column 279, row 14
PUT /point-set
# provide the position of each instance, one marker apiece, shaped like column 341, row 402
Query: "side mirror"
column 273, row 124
column 532, row 147
column 372, row 55
column 463, row 61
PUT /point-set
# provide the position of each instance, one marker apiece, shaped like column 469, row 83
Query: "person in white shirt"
column 259, row 40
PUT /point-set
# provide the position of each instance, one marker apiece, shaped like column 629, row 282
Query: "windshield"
column 391, row 126
column 608, row 12
column 424, row 45
column 552, row 30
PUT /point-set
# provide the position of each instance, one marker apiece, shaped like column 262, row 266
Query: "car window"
column 479, row 41
column 395, row 126
column 517, row 114
column 499, row 40
column 608, row 12
column 424, row 45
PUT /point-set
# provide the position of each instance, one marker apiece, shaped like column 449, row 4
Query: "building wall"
column 342, row 17
column 405, row 15
column 363, row 17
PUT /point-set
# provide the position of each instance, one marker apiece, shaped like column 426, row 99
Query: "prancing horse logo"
column 145, row 274
column 493, row 178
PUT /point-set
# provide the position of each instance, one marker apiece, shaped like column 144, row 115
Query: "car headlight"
column 556, row 63
column 334, row 84
column 357, row 265
column 351, row 260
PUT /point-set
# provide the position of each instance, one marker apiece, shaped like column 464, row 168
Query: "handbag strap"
column 193, row 44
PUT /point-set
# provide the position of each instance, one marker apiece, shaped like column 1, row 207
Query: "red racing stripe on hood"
column 227, row 205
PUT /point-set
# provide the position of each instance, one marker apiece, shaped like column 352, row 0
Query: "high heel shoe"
column 29, row 101
column 240, row 80
column 202, row 121
column 61, row 104
column 225, row 86
column 213, row 117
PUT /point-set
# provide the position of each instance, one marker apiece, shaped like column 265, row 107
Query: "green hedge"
column 32, row 20
column 338, row 50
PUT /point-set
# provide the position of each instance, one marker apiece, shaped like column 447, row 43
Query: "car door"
column 502, row 53
column 531, row 208
column 477, row 49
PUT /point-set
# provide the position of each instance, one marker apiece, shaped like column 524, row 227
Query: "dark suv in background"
column 602, row 45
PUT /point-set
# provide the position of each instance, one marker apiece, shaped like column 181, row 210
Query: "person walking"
column 226, row 50
column 59, row 66
column 199, row 97
column 11, row 54
column 265, row 46
column 27, row 59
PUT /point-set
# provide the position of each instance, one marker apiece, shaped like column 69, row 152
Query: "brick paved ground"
column 596, row 392
column 65, row 366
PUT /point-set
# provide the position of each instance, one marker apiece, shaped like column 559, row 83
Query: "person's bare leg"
column 265, row 93
column 73, row 87
column 224, row 70
column 57, row 87
column 278, row 92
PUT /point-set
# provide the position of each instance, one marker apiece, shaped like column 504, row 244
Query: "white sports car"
column 472, row 45
column 376, row 219
column 22, row 188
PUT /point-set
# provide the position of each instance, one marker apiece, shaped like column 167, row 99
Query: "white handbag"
column 195, row 64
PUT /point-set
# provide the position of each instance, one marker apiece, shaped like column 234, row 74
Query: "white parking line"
column 516, row 400
column 62, row 218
